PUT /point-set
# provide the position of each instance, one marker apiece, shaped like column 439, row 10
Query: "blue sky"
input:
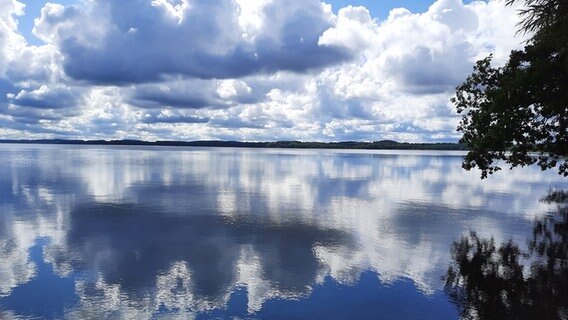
column 242, row 69
column 381, row 8
column 32, row 11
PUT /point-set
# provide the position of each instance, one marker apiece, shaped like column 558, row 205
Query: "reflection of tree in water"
column 488, row 282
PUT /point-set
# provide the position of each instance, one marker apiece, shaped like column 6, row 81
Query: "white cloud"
column 138, row 42
column 354, row 29
column 10, row 41
column 233, row 88
column 245, row 70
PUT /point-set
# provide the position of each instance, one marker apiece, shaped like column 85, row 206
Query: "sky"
column 247, row 70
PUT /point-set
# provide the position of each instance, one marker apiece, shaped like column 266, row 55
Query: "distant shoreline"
column 376, row 145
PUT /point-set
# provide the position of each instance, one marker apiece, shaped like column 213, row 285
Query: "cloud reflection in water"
column 147, row 230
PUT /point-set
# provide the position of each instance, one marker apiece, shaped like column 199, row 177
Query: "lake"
column 165, row 232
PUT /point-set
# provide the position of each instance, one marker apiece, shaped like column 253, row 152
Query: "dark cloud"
column 151, row 118
column 283, row 123
column 33, row 126
column 48, row 98
column 144, row 43
column 112, row 67
column 31, row 115
column 157, row 99
column 195, row 94
column 238, row 123
column 176, row 93
column 427, row 71
column 336, row 107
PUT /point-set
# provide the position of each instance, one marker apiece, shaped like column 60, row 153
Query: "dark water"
column 152, row 233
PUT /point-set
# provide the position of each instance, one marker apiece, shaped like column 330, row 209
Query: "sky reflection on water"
column 118, row 232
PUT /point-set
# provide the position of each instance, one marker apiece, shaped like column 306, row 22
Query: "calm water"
column 151, row 233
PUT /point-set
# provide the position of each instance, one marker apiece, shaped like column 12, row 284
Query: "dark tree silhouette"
column 486, row 282
column 511, row 111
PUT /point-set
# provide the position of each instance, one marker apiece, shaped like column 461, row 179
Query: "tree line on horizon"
column 375, row 145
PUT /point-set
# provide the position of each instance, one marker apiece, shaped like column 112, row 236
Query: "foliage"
column 518, row 113
column 487, row 282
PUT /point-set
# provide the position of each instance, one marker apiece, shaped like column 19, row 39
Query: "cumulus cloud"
column 47, row 97
column 10, row 41
column 142, row 41
column 244, row 70
column 422, row 53
column 182, row 93
column 35, row 66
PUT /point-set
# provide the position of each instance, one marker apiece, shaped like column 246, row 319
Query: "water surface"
column 156, row 232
